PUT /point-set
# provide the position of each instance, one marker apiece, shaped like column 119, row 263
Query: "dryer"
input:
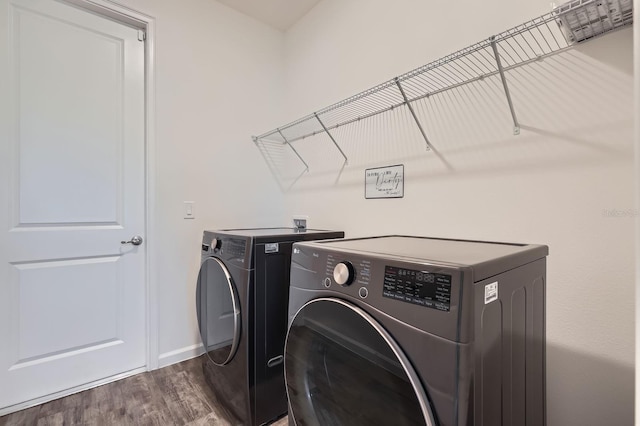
column 399, row 330
column 241, row 299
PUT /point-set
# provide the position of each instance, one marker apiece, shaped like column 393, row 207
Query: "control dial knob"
column 344, row 273
column 216, row 244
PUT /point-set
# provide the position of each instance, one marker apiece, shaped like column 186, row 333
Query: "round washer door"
column 343, row 368
column 218, row 311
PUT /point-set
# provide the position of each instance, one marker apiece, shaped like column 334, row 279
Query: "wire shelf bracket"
column 494, row 46
column 413, row 113
column 261, row 144
column 346, row 161
column 294, row 150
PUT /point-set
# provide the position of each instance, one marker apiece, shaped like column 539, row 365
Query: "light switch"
column 189, row 210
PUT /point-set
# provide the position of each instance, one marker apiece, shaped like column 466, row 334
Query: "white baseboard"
column 179, row 355
column 47, row 398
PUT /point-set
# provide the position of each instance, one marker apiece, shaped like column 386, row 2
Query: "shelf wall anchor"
column 294, row 150
column 413, row 113
column 494, row 46
column 346, row 161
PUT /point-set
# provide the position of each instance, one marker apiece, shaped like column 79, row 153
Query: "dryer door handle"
column 275, row 361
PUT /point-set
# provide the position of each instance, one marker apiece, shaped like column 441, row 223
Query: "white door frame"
column 128, row 16
column 125, row 15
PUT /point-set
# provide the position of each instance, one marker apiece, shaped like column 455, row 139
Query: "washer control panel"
column 225, row 247
column 232, row 247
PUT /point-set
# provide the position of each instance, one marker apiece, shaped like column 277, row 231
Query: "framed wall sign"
column 384, row 182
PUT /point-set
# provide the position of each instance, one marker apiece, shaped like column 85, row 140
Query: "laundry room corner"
column 218, row 78
column 567, row 180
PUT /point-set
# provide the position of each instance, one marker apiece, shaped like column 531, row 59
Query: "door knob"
column 136, row 241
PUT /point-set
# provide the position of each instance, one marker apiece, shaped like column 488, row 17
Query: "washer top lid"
column 273, row 235
column 485, row 257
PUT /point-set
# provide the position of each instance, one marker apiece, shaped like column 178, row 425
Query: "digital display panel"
column 418, row 287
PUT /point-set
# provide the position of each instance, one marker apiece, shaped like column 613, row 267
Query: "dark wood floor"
column 174, row 395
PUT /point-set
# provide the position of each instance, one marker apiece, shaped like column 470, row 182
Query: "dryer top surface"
column 484, row 256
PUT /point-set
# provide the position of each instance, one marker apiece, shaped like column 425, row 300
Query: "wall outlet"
column 301, row 221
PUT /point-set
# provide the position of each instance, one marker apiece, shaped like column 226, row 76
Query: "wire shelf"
column 565, row 26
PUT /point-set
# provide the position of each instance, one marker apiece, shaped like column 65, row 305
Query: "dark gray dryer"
column 413, row 331
column 242, row 299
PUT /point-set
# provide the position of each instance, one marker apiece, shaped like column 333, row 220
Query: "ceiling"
column 280, row 14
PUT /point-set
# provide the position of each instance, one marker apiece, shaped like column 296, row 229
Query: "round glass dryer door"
column 218, row 311
column 343, row 368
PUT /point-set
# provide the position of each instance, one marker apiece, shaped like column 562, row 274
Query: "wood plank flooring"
column 174, row 395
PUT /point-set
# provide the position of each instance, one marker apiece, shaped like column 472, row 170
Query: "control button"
column 344, row 273
column 327, row 282
column 216, row 244
column 363, row 292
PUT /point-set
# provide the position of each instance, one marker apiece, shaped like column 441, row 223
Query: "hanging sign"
column 384, row 182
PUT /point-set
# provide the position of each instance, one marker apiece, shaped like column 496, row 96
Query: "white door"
column 72, row 297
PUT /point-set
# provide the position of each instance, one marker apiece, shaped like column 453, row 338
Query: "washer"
column 241, row 300
column 399, row 330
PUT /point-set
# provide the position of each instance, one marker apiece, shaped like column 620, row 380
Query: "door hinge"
column 142, row 36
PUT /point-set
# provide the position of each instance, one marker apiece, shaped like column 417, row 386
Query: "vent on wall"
column 566, row 25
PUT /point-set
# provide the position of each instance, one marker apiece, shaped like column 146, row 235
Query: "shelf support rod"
column 269, row 165
column 346, row 161
column 294, row 150
column 494, row 46
column 413, row 113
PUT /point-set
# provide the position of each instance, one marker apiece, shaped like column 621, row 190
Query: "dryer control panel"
column 411, row 291
column 418, row 287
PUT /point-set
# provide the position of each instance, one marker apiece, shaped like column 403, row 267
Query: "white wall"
column 218, row 80
column 550, row 185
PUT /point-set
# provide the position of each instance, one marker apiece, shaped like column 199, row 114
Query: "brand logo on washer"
column 271, row 248
column 296, row 251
